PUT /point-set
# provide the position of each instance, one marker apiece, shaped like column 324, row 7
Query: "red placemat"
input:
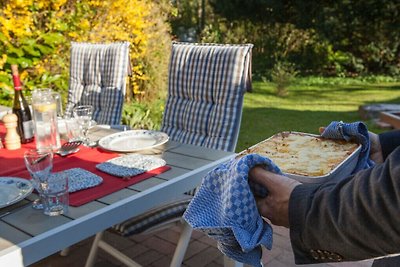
column 12, row 164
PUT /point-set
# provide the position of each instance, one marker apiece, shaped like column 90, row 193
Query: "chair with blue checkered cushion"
column 206, row 86
column 98, row 77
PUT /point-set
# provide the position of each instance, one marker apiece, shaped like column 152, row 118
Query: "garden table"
column 27, row 235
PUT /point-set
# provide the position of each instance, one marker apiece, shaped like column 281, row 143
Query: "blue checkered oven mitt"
column 225, row 209
column 356, row 131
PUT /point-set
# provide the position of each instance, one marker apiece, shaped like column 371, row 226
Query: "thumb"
column 275, row 183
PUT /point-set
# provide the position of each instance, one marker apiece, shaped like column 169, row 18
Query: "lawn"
column 311, row 102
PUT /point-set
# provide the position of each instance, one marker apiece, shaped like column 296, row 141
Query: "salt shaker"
column 12, row 139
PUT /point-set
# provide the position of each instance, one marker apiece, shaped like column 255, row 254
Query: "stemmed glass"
column 39, row 165
column 83, row 115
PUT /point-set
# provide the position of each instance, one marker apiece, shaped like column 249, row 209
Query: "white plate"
column 133, row 140
column 13, row 189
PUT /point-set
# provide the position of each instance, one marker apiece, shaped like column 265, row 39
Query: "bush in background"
column 282, row 75
column 36, row 35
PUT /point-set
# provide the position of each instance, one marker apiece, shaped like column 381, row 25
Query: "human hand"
column 375, row 152
column 275, row 206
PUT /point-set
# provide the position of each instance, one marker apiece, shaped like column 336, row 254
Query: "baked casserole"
column 302, row 154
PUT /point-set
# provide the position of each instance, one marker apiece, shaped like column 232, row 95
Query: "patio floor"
column 156, row 250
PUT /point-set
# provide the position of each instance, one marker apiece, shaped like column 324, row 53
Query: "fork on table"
column 69, row 148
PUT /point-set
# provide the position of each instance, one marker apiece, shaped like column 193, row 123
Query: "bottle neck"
column 17, row 83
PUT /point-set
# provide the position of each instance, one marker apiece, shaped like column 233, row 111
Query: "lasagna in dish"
column 304, row 154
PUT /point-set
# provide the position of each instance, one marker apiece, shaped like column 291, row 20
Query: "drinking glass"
column 39, row 165
column 55, row 196
column 83, row 115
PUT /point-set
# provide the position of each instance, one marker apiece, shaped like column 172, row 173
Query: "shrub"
column 36, row 35
column 143, row 115
column 282, row 75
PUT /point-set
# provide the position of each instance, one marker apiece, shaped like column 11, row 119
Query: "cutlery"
column 69, row 148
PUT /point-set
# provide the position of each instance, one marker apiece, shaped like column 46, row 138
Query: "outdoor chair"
column 98, row 77
column 206, row 87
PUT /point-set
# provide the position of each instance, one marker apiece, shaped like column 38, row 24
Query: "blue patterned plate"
column 133, row 140
column 13, row 189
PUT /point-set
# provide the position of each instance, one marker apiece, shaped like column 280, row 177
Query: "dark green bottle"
column 21, row 109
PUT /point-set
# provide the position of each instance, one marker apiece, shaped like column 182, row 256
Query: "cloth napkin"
column 130, row 165
column 356, row 131
column 225, row 209
column 79, row 179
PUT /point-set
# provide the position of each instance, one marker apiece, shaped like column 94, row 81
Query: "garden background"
column 313, row 61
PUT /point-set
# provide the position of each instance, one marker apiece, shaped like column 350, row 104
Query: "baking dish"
column 308, row 158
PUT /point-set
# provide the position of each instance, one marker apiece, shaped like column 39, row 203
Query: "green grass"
column 311, row 103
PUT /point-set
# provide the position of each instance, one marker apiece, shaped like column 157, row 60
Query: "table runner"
column 12, row 164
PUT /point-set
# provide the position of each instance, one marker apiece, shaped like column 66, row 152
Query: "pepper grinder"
column 12, row 139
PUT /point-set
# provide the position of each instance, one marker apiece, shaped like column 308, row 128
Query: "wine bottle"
column 21, row 109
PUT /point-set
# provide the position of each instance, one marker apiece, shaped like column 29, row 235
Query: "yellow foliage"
column 123, row 20
column 3, row 60
column 135, row 21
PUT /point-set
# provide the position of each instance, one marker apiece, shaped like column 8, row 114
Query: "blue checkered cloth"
column 356, row 131
column 225, row 209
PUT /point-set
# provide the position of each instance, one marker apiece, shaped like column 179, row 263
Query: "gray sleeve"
column 389, row 141
column 353, row 219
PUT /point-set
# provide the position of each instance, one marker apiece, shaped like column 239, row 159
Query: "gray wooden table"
column 27, row 235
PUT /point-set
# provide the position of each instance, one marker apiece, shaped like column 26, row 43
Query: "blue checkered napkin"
column 224, row 207
column 79, row 179
column 130, row 165
column 356, row 131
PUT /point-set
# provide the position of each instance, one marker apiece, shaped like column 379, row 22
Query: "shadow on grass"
column 306, row 90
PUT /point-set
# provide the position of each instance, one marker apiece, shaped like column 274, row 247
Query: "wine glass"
column 83, row 115
column 39, row 165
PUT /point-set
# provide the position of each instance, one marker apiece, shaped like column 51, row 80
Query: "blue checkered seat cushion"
column 205, row 97
column 98, row 78
column 206, row 86
column 165, row 214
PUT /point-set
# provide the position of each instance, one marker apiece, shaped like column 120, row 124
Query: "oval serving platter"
column 133, row 140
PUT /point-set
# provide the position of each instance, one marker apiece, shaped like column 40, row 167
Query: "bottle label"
column 17, row 82
column 28, row 129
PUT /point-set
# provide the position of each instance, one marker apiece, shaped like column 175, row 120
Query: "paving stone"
column 197, row 234
column 275, row 263
column 160, row 245
column 162, row 262
column 140, row 237
column 367, row 263
column 204, row 257
column 170, row 236
column 280, row 230
column 117, row 241
column 215, row 264
column 194, row 248
column 148, row 257
column 207, row 240
column 134, row 251
column 269, row 255
column 155, row 250
column 282, row 242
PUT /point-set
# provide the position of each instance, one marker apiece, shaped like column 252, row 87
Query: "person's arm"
column 389, row 141
column 354, row 219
